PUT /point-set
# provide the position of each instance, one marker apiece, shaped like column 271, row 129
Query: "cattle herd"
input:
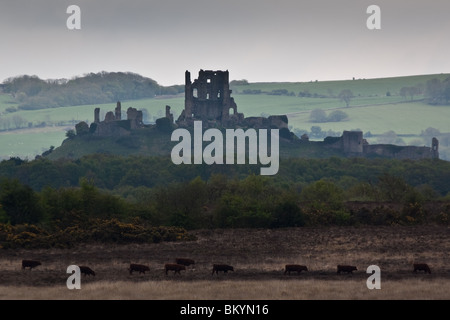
column 181, row 264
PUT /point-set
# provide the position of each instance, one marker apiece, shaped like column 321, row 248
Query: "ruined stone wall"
column 398, row 152
column 113, row 125
column 353, row 144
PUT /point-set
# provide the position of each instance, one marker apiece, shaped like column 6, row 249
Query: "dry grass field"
column 258, row 257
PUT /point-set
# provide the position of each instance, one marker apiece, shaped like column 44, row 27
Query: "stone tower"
column 208, row 98
column 435, row 148
column 352, row 142
column 118, row 111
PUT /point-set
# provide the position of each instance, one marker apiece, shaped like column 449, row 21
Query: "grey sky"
column 258, row 40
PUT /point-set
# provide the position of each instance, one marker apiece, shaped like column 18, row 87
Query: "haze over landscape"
column 91, row 172
column 261, row 41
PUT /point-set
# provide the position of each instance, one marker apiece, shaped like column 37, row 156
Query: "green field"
column 371, row 110
column 360, row 87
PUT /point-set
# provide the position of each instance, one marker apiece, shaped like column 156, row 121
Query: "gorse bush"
column 93, row 231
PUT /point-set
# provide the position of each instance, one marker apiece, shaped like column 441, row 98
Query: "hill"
column 377, row 108
column 32, row 93
column 152, row 142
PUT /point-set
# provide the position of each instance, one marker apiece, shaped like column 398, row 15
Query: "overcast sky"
column 257, row 40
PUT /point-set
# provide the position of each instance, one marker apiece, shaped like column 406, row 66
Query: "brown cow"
column 184, row 261
column 221, row 267
column 87, row 271
column 294, row 267
column 138, row 267
column 422, row 267
column 30, row 264
column 344, row 268
column 176, row 268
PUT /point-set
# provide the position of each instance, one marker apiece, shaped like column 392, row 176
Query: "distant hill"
column 378, row 108
column 32, row 93
column 150, row 141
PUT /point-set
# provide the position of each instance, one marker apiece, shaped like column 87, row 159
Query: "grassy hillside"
column 371, row 110
column 152, row 142
column 360, row 87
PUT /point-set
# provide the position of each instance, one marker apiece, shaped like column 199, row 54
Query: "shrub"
column 95, row 231
column 318, row 115
column 337, row 116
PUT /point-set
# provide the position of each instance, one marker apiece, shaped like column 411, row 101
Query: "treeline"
column 194, row 196
column 438, row 92
column 31, row 92
column 112, row 199
column 118, row 173
column 219, row 202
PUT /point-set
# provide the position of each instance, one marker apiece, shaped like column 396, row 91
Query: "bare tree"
column 18, row 121
column 346, row 95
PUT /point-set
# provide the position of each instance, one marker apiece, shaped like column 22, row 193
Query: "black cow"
column 184, row 261
column 221, row 267
column 294, row 268
column 422, row 267
column 138, row 267
column 176, row 268
column 87, row 271
column 30, row 264
column 345, row 268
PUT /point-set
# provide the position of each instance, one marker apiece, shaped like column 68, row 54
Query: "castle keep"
column 208, row 98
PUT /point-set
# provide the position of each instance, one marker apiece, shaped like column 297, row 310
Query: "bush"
column 318, row 115
column 337, row 116
column 288, row 214
column 94, row 231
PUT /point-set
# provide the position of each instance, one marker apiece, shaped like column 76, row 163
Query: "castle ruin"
column 353, row 144
column 208, row 99
column 113, row 125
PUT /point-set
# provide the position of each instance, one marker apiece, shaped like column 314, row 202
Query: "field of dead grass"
column 258, row 256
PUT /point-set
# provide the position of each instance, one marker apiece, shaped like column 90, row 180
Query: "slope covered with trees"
column 33, row 93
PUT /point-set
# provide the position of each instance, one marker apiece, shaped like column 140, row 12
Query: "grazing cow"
column 30, row 264
column 422, row 267
column 348, row 269
column 138, row 267
column 87, row 271
column 294, row 267
column 184, row 261
column 221, row 267
column 176, row 268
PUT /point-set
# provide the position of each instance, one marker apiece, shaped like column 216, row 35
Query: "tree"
column 346, row 95
column 336, row 116
column 409, row 91
column 317, row 133
column 322, row 196
column 392, row 188
column 19, row 122
column 390, row 137
column 433, row 91
column 70, row 134
column 19, row 203
column 446, row 90
column 317, row 115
